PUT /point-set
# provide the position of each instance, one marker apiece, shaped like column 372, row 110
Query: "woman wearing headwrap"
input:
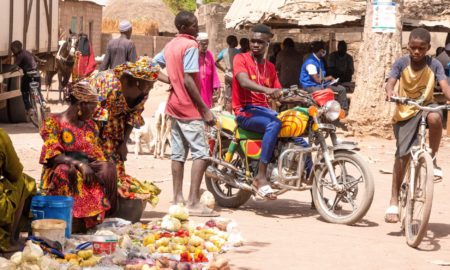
column 123, row 92
column 74, row 163
column 84, row 59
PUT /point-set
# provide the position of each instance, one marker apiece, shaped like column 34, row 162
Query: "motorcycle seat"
column 243, row 134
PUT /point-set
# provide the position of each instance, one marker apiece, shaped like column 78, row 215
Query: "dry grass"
column 146, row 27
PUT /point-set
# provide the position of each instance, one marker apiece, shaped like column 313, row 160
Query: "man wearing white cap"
column 120, row 50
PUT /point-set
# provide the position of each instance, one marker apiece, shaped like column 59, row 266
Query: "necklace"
column 257, row 71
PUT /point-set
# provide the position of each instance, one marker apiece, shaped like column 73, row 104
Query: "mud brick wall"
column 88, row 20
column 145, row 45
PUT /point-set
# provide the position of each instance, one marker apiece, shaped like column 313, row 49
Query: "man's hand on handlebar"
column 275, row 93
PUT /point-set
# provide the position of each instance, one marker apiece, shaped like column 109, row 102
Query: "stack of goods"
column 171, row 243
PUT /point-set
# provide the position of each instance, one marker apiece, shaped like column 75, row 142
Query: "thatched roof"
column 141, row 9
column 324, row 13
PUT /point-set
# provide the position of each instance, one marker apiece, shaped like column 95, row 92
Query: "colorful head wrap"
column 144, row 68
column 81, row 91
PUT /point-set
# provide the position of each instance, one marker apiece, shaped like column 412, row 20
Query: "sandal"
column 391, row 215
column 265, row 192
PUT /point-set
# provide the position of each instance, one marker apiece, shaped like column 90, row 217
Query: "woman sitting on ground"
column 123, row 92
column 74, row 164
column 16, row 190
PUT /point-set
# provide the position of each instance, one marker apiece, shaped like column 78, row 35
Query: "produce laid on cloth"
column 174, row 242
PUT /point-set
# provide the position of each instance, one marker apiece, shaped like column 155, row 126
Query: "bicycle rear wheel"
column 419, row 201
column 37, row 116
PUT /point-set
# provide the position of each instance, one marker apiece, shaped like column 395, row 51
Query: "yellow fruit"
column 162, row 242
column 191, row 249
column 85, row 254
column 149, row 239
column 70, row 256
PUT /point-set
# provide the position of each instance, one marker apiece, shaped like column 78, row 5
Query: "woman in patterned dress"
column 123, row 92
column 74, row 163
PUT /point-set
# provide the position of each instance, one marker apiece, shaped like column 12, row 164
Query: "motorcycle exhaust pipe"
column 216, row 175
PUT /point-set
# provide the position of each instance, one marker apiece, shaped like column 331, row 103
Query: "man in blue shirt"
column 313, row 74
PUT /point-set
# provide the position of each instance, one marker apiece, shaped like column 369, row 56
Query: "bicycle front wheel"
column 419, row 201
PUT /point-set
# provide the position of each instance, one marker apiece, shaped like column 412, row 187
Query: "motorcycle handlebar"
column 412, row 102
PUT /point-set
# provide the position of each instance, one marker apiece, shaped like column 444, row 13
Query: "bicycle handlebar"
column 412, row 102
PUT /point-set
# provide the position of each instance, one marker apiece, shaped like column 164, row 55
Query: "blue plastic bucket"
column 55, row 207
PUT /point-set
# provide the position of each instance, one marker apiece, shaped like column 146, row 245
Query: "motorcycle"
column 338, row 177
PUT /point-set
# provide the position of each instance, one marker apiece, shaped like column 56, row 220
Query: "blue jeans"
column 261, row 120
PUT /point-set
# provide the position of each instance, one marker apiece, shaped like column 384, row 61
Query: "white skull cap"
column 202, row 36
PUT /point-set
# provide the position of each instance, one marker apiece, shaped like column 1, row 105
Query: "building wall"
column 80, row 16
column 145, row 45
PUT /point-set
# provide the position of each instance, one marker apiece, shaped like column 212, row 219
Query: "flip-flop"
column 392, row 210
column 205, row 212
column 264, row 192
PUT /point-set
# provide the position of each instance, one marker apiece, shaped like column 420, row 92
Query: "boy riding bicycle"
column 417, row 74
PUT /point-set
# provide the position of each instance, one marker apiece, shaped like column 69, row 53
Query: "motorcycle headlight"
column 332, row 110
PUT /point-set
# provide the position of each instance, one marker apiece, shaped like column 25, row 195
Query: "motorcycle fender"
column 350, row 146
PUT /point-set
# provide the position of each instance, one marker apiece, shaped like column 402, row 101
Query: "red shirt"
column 264, row 74
column 180, row 104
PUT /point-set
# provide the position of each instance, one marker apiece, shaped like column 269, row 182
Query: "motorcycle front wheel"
column 352, row 203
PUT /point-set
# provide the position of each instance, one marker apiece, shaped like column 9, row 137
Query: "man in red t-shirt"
column 255, row 78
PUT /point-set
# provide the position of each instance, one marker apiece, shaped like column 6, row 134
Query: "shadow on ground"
column 281, row 208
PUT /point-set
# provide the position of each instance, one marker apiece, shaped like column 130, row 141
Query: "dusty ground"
column 286, row 234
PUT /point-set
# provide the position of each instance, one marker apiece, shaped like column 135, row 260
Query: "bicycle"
column 416, row 191
column 38, row 112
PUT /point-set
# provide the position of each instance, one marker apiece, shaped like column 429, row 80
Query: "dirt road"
column 287, row 234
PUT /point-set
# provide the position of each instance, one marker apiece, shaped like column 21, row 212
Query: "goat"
column 163, row 130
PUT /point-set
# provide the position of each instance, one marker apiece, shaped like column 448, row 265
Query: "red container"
column 104, row 244
column 323, row 96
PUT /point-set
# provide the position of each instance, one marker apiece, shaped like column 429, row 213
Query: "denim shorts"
column 189, row 134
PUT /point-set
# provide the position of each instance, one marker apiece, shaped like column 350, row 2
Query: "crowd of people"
column 84, row 147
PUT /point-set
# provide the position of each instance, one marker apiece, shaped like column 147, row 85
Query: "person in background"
column 254, row 79
column 209, row 79
column 244, row 44
column 73, row 161
column 228, row 55
column 188, row 111
column 120, row 50
column 84, row 59
column 16, row 190
column 340, row 63
column 444, row 58
column 313, row 76
column 123, row 92
column 439, row 50
column 276, row 49
column 288, row 64
column 416, row 75
column 27, row 62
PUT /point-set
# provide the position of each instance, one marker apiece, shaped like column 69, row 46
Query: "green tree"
column 178, row 5
column 189, row 5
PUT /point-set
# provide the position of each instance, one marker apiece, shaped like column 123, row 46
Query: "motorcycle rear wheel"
column 224, row 194
column 351, row 205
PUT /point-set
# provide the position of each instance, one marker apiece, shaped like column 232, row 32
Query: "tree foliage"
column 189, row 5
